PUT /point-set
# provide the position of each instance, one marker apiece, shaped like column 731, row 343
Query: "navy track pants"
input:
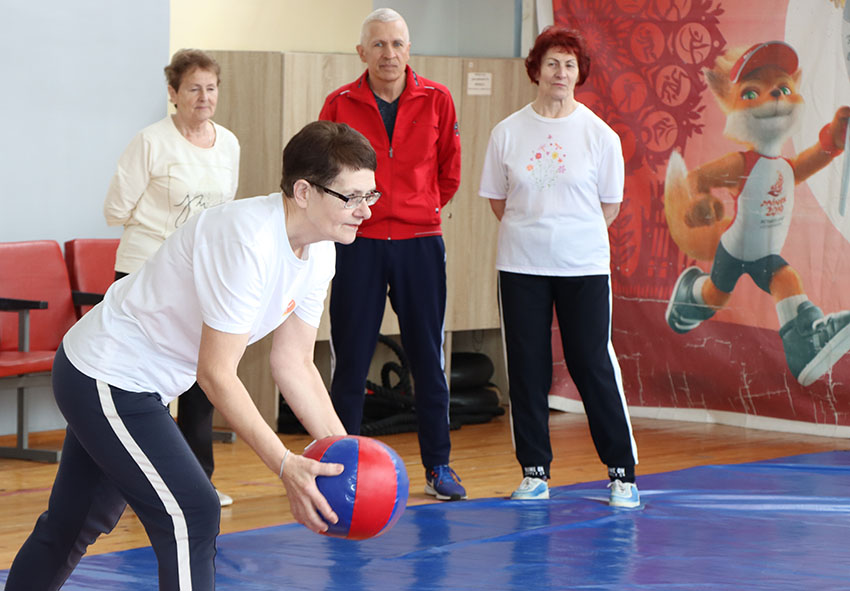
column 120, row 447
column 414, row 270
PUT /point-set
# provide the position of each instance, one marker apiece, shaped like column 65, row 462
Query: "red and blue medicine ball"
column 370, row 494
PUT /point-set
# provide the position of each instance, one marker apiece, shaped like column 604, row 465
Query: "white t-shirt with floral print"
column 554, row 175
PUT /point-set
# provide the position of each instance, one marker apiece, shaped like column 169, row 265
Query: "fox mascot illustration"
column 757, row 90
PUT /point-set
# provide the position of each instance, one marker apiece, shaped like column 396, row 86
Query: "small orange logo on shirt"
column 289, row 307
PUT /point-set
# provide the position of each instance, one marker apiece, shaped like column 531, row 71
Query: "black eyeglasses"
column 351, row 201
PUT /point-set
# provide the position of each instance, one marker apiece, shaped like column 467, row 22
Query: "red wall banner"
column 731, row 254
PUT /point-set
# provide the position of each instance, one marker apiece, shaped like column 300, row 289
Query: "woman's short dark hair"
column 558, row 37
column 320, row 151
column 186, row 60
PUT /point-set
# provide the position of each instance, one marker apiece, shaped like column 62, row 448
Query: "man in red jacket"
column 412, row 125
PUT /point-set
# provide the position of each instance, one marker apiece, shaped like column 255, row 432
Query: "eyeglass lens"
column 369, row 198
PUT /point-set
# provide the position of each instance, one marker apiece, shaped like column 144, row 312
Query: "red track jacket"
column 420, row 171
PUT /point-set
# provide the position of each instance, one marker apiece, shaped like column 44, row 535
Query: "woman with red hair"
column 554, row 176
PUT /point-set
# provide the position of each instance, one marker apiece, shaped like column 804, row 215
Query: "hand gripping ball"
column 370, row 494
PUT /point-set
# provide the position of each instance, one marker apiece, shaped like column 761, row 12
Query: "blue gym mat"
column 774, row 525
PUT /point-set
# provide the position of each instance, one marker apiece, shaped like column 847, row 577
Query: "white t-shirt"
column 231, row 267
column 161, row 181
column 554, row 174
column 762, row 209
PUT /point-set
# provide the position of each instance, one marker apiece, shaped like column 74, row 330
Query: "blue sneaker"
column 444, row 483
column 623, row 494
column 531, row 489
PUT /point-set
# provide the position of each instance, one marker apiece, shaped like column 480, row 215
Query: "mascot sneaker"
column 683, row 312
column 813, row 342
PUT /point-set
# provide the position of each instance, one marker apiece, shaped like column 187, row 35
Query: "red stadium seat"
column 36, row 310
column 91, row 265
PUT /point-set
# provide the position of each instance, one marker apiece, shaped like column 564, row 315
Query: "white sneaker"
column 530, row 489
column 623, row 494
column 225, row 500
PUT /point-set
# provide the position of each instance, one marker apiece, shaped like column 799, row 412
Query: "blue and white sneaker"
column 444, row 483
column 531, row 489
column 623, row 494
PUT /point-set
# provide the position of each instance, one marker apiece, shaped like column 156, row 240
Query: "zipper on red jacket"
column 389, row 237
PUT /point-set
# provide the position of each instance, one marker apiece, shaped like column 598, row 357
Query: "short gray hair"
column 381, row 15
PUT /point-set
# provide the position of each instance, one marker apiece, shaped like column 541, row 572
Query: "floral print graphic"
column 546, row 163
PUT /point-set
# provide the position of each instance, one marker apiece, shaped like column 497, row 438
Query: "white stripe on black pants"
column 583, row 307
column 121, row 446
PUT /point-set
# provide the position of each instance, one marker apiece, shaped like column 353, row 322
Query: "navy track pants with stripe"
column 120, row 447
